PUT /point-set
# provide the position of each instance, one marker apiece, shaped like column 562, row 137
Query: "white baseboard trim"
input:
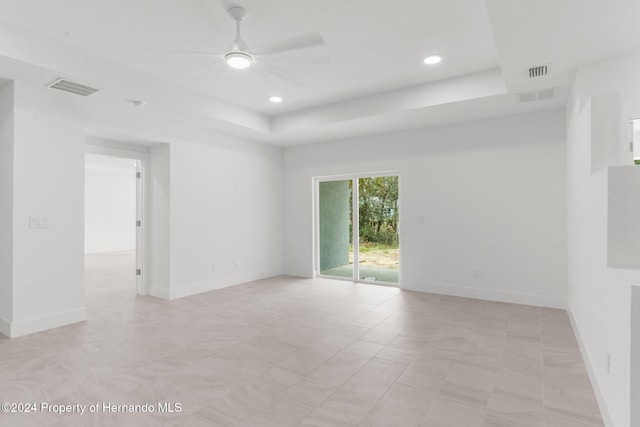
column 207, row 286
column 490, row 295
column 5, row 327
column 158, row 292
column 606, row 417
column 108, row 250
column 50, row 321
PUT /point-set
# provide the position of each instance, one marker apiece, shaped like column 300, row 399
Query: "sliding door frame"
column 355, row 236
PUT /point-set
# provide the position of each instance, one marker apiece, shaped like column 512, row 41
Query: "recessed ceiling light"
column 137, row 103
column 433, row 59
column 275, row 99
column 238, row 60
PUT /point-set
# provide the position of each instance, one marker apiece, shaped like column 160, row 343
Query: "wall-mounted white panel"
column 623, row 237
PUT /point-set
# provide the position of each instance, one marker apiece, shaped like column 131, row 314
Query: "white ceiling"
column 368, row 77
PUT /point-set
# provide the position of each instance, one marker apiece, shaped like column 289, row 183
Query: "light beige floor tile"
column 427, row 372
column 311, row 393
column 398, row 355
column 374, row 379
column 356, row 355
column 287, row 351
column 401, row 406
column 343, row 408
column 519, row 385
column 466, row 393
column 370, row 319
column 382, row 334
column 552, row 420
column 284, row 412
column 571, row 397
column 513, row 410
column 446, row 413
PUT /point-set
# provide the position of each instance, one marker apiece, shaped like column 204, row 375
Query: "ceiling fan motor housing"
column 238, row 13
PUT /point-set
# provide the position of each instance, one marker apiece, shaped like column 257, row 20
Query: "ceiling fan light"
column 238, row 60
column 432, row 60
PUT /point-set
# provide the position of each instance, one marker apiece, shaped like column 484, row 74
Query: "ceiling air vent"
column 537, row 95
column 539, row 71
column 73, row 87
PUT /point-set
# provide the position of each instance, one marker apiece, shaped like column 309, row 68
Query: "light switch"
column 420, row 219
column 39, row 222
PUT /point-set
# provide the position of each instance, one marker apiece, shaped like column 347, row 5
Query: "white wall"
column 492, row 193
column 6, row 207
column 109, row 206
column 217, row 216
column 158, row 213
column 226, row 221
column 599, row 296
column 48, row 175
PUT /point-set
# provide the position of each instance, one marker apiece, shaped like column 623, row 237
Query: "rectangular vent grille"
column 537, row 95
column 539, row 71
column 73, row 87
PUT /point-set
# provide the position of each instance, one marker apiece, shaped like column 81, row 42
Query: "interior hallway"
column 287, row 351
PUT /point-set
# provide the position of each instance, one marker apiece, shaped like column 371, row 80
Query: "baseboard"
column 591, row 371
column 108, row 250
column 158, row 292
column 55, row 320
column 208, row 286
column 490, row 295
column 5, row 327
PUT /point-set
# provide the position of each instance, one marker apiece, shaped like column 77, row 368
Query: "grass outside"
column 378, row 255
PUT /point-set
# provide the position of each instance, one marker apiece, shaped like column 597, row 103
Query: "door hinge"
column 138, row 272
column 138, row 175
column 631, row 146
column 138, row 223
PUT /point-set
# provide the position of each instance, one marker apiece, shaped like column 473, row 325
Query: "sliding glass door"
column 357, row 229
column 335, row 228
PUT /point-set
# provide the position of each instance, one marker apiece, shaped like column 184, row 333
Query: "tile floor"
column 288, row 352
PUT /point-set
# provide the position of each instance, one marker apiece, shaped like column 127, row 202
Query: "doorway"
column 113, row 227
column 358, row 228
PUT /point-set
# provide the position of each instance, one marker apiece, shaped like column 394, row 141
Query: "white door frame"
column 141, row 155
column 355, row 224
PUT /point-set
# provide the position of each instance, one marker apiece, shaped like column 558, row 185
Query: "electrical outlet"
column 476, row 274
column 213, row 267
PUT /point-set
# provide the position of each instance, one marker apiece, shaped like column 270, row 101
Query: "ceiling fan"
column 241, row 56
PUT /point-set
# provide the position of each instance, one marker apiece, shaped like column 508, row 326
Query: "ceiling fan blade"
column 277, row 73
column 302, row 59
column 301, row 42
column 216, row 70
column 192, row 52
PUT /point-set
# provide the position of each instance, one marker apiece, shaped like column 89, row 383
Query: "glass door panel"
column 378, row 243
column 336, row 225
